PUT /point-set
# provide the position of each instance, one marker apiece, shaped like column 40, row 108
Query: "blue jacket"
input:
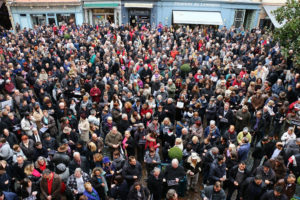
column 216, row 172
column 216, row 133
column 10, row 196
column 243, row 151
column 90, row 196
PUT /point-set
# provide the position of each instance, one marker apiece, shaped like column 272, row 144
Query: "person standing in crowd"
column 213, row 192
column 50, row 186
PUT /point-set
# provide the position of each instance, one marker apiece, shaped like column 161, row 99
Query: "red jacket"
column 95, row 94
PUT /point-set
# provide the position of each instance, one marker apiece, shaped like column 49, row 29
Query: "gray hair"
column 77, row 170
column 156, row 169
column 76, row 153
column 171, row 194
column 175, row 161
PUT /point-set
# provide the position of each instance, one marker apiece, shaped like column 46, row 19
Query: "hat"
column 60, row 168
column 67, row 129
column 258, row 177
column 194, row 156
column 105, row 160
column 63, row 148
column 245, row 130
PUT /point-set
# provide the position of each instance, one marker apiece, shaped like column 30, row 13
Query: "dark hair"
column 131, row 158
column 119, row 179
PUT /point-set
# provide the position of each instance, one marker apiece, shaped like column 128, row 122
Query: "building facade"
column 238, row 13
column 102, row 12
column 29, row 13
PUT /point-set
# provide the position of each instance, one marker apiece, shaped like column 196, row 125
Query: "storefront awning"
column 100, row 5
column 272, row 17
column 195, row 17
column 138, row 5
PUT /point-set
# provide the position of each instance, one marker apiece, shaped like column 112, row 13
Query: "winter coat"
column 56, row 188
column 189, row 167
column 244, row 121
column 120, row 191
column 61, row 157
column 250, row 190
column 5, row 151
column 84, row 165
column 155, row 186
column 91, row 196
column 113, row 139
column 148, row 159
column 50, row 122
column 132, row 170
column 209, row 193
column 28, row 151
column 133, row 194
column 72, row 183
column 269, row 195
column 171, row 173
column 84, row 130
column 233, row 172
column 270, row 176
column 216, row 172
column 118, row 164
column 26, row 126
column 243, row 151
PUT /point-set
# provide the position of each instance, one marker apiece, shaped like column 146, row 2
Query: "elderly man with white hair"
column 171, row 88
column 78, row 162
column 173, row 174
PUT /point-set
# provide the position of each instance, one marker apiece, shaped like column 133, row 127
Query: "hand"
column 49, row 197
column 112, row 172
column 177, row 180
column 75, row 192
column 153, row 161
column 222, row 179
column 115, row 146
column 104, row 184
column 134, row 177
column 236, row 183
column 164, row 180
column 158, row 145
column 126, row 145
column 267, row 182
column 205, row 198
column 112, row 186
column 34, row 193
column 192, row 173
column 220, row 117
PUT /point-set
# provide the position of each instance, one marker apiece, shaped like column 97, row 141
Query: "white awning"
column 138, row 5
column 195, row 17
column 272, row 17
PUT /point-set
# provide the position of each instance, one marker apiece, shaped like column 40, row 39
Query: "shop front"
column 29, row 14
column 139, row 14
column 101, row 13
column 210, row 13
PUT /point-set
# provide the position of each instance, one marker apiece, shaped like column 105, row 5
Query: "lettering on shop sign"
column 195, row 4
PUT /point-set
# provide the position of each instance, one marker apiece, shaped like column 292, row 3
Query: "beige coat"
column 84, row 129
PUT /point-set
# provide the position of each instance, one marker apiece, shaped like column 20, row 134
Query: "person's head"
column 88, row 187
column 47, row 174
column 245, row 130
column 195, row 139
column 258, row 179
column 97, row 172
column 109, row 120
column 132, row 160
column 77, row 172
column 242, row 166
column 245, row 140
column 24, row 138
column 171, row 195
column 290, row 130
column 278, row 191
column 266, row 167
column 156, row 171
column 114, row 130
column 291, row 179
column 220, row 159
column 175, row 163
column 212, row 123
column 231, row 128
column 137, row 186
column 214, row 150
column 217, row 186
column 76, row 156
column 20, row 160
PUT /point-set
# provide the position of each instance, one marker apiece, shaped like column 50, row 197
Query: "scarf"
column 43, row 167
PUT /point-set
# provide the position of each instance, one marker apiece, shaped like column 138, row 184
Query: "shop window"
column 23, row 15
column 65, row 18
column 38, row 19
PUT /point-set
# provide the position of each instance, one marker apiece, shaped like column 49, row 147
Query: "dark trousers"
column 231, row 189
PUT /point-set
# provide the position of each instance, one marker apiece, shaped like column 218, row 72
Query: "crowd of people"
column 138, row 113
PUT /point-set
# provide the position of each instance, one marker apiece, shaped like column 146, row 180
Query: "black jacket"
column 120, row 191
column 133, row 194
column 269, row 195
column 172, row 173
column 61, row 157
column 155, row 186
column 233, row 172
column 83, row 165
column 250, row 190
column 132, row 170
